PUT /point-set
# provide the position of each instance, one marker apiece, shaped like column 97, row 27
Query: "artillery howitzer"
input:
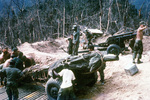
column 116, row 43
column 85, row 68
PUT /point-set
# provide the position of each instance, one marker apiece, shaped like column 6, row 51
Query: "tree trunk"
column 100, row 21
column 58, row 27
column 64, row 21
column 118, row 9
column 108, row 21
column 100, row 17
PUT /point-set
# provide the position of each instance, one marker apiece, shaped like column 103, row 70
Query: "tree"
column 46, row 19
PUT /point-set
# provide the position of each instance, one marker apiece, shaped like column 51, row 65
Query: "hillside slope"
column 118, row 85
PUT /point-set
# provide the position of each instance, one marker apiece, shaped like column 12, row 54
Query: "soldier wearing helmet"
column 76, row 36
column 138, row 46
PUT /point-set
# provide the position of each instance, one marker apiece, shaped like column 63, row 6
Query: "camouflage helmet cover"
column 142, row 23
column 74, row 27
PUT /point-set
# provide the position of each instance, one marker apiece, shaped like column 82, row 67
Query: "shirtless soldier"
column 138, row 46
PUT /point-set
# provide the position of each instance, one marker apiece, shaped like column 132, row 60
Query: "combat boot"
column 138, row 62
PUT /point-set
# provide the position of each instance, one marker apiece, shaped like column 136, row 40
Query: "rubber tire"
column 115, row 47
column 52, row 86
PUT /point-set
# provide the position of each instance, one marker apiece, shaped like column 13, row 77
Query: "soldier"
column 18, row 61
column 89, row 36
column 7, row 62
column 28, row 61
column 15, row 52
column 66, row 89
column 12, row 75
column 138, row 46
column 102, row 63
column 5, row 55
column 76, row 37
column 70, row 45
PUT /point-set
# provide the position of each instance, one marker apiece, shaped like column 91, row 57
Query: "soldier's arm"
column 142, row 28
column 55, row 74
column 73, row 79
column 77, row 38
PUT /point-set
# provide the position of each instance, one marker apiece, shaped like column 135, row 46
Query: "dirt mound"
column 46, row 46
column 44, row 52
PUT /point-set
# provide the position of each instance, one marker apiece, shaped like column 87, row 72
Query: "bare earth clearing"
column 118, row 85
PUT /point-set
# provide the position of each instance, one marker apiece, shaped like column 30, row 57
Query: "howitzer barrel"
column 128, row 33
column 120, row 38
column 127, row 36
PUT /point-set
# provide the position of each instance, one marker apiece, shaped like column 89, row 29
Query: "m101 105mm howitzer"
column 116, row 43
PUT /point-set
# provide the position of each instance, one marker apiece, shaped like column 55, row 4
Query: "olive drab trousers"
column 66, row 94
column 138, row 49
column 75, row 49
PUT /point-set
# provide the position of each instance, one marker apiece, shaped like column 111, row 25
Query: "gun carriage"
column 116, row 43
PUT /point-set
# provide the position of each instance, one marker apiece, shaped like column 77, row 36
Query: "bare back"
column 6, row 63
column 4, row 56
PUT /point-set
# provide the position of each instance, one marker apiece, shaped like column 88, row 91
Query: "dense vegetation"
column 47, row 19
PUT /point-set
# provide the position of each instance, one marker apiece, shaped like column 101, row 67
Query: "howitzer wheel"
column 113, row 49
column 52, row 88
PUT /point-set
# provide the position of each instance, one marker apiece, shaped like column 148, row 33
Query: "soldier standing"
column 138, row 46
column 76, row 37
column 89, row 36
column 12, row 75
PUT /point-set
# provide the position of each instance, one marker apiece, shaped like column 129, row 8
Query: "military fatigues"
column 12, row 75
column 101, row 71
column 89, row 37
column 18, row 63
column 66, row 94
column 76, row 36
column 138, row 49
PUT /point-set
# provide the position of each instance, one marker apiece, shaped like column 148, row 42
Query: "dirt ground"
column 118, row 85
